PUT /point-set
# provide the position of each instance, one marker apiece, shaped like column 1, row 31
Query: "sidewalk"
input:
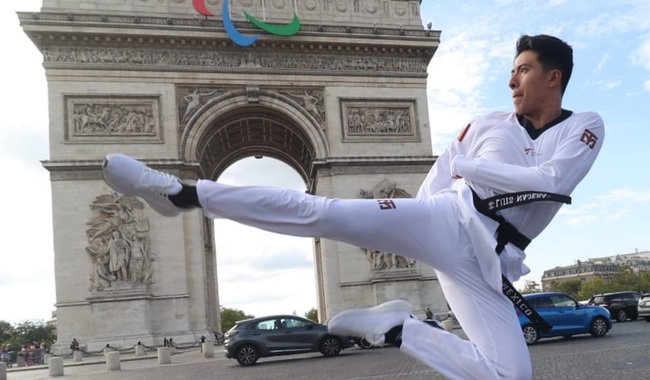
column 96, row 365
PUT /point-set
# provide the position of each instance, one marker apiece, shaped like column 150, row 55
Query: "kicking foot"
column 371, row 323
column 129, row 176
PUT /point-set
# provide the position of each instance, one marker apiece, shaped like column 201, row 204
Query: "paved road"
column 623, row 354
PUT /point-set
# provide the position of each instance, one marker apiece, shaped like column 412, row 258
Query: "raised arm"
column 571, row 161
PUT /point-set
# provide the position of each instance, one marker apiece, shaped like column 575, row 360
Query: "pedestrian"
column 428, row 313
column 474, row 214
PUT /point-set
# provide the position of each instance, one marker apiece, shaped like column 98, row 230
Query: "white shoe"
column 371, row 323
column 130, row 176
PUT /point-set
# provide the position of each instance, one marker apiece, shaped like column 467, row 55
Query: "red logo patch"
column 386, row 204
column 463, row 133
column 589, row 138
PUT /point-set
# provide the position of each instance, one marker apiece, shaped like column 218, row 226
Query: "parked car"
column 621, row 305
column 275, row 335
column 394, row 334
column 566, row 315
column 643, row 307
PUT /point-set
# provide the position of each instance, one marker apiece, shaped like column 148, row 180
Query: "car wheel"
column 330, row 346
column 598, row 327
column 531, row 335
column 247, row 355
column 394, row 336
column 363, row 343
column 621, row 315
column 647, row 319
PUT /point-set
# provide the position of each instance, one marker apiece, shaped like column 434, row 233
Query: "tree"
column 312, row 314
column 6, row 331
column 230, row 316
column 570, row 287
column 26, row 332
column 530, row 286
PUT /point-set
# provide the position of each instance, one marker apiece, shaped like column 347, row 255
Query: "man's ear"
column 554, row 78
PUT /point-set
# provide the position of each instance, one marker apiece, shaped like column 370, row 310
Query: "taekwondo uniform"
column 497, row 153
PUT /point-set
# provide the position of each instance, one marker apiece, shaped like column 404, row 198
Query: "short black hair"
column 552, row 53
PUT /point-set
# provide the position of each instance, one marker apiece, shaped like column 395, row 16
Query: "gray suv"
column 621, row 305
column 276, row 335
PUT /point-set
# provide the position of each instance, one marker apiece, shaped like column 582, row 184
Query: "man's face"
column 531, row 90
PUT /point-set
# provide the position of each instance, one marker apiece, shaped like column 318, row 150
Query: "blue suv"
column 566, row 315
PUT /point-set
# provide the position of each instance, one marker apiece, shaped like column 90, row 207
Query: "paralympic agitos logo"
column 240, row 39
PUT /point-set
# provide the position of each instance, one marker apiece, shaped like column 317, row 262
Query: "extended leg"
column 424, row 230
column 496, row 348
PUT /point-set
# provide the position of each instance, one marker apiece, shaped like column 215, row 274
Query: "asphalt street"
column 623, row 354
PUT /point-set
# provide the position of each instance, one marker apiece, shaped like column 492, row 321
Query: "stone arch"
column 233, row 126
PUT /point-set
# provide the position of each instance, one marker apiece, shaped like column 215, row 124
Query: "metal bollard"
column 164, row 355
column 113, row 361
column 208, row 350
column 55, row 365
column 3, row 371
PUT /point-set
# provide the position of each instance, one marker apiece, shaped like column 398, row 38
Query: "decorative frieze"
column 207, row 60
column 112, row 119
column 376, row 120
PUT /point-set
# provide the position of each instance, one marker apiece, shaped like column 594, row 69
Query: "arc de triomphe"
column 341, row 99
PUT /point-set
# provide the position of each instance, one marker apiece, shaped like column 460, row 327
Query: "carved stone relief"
column 379, row 119
column 119, row 244
column 308, row 101
column 311, row 100
column 121, row 119
column 386, row 261
column 206, row 60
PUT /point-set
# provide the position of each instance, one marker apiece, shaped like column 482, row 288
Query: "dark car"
column 621, row 305
column 566, row 315
column 643, row 308
column 394, row 334
column 276, row 335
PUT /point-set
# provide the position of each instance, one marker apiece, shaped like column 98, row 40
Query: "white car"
column 644, row 307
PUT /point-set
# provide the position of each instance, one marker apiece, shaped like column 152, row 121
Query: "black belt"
column 507, row 233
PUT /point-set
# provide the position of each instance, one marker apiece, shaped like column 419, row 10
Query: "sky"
column 467, row 76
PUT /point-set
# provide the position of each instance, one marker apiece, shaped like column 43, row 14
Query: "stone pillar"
column 139, row 350
column 164, row 355
column 3, row 371
column 46, row 359
column 20, row 361
column 208, row 350
column 55, row 365
column 113, row 361
column 77, row 356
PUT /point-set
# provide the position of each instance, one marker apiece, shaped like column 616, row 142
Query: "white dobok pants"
column 426, row 230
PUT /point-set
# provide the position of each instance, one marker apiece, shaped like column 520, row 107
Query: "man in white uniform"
column 540, row 149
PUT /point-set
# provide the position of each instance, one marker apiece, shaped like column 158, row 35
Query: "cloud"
column 614, row 205
column 606, row 84
column 646, row 85
column 601, row 63
column 641, row 57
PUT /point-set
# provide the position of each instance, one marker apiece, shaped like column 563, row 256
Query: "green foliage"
column 530, row 286
column 570, row 287
column 230, row 316
column 312, row 314
column 26, row 332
